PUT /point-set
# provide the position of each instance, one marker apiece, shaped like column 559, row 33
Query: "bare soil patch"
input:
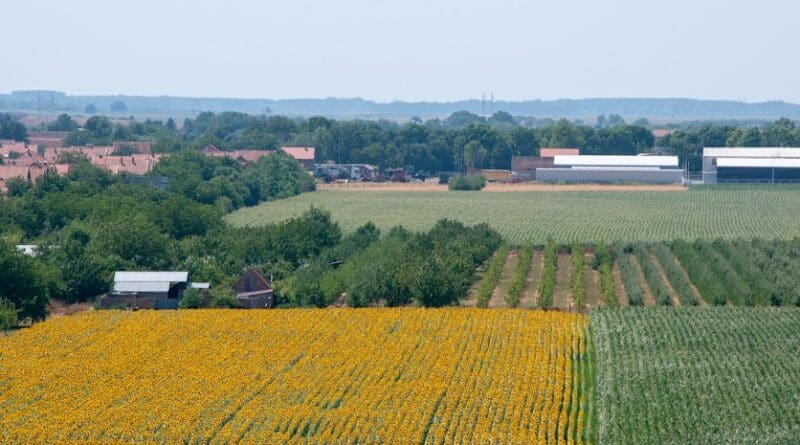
column 58, row 308
column 531, row 293
column 562, row 297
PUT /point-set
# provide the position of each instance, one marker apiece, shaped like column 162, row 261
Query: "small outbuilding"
column 253, row 290
column 146, row 290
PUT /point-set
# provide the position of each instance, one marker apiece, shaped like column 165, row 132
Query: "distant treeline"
column 672, row 109
column 462, row 140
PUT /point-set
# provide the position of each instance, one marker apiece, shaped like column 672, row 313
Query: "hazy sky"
column 405, row 49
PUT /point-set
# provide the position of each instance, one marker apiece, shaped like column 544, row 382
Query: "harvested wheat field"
column 297, row 376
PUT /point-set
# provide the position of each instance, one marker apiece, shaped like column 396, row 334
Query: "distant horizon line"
column 408, row 101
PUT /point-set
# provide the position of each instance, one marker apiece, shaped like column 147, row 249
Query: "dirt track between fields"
column 502, row 187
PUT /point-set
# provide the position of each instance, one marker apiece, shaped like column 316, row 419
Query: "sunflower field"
column 298, row 376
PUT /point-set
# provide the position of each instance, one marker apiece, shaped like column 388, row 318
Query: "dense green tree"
column 23, row 282
column 118, row 106
column 63, row 122
column 12, row 129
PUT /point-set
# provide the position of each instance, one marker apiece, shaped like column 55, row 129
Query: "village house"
column 141, row 147
column 306, row 156
column 253, row 290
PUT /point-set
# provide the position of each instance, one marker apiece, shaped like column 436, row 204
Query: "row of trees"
column 433, row 268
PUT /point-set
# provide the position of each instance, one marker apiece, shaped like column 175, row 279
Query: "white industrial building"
column 612, row 169
column 766, row 165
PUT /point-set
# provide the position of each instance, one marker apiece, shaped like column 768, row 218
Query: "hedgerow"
column 520, row 276
column 492, row 276
column 547, row 283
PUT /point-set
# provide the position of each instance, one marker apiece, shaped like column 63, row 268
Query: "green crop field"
column 565, row 216
column 697, row 375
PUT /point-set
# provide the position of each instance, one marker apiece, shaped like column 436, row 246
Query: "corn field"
column 697, row 375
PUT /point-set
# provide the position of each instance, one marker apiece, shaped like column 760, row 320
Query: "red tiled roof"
column 52, row 153
column 142, row 147
column 553, row 152
column 137, row 164
column 301, row 153
column 13, row 171
column 47, row 142
column 7, row 147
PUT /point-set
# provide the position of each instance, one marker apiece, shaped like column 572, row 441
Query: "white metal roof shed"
column 751, row 152
column 141, row 286
column 759, row 162
column 168, row 277
column 617, row 161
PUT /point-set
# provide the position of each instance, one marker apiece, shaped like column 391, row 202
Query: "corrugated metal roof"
column 168, row 277
column 617, row 161
column 752, row 152
column 199, row 285
column 759, row 162
column 141, row 286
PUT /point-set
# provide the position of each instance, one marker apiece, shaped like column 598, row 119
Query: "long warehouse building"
column 747, row 165
column 612, row 169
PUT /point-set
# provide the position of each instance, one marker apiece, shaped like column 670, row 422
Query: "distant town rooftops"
column 553, row 152
column 301, row 153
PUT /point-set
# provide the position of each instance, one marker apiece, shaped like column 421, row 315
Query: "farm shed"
column 612, row 169
column 764, row 165
column 524, row 167
column 146, row 290
column 253, row 290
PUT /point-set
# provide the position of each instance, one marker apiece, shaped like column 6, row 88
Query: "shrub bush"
column 462, row 182
column 191, row 299
column 8, row 315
